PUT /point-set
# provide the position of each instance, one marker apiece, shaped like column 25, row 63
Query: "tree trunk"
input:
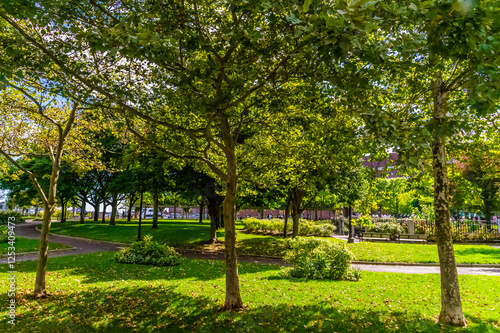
column 233, row 299
column 202, row 205
column 130, row 206
column 175, row 211
column 213, row 212
column 296, row 197
column 287, row 212
column 82, row 209
column 451, row 305
column 103, row 212
column 114, row 208
column 261, row 212
column 139, row 238
column 155, row 209
column 96, row 212
column 40, row 291
column 63, row 211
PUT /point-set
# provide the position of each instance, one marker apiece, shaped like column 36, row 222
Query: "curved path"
column 28, row 230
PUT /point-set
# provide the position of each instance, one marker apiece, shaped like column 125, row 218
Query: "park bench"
column 416, row 238
column 378, row 237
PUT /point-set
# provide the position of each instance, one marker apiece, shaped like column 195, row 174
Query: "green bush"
column 4, row 216
column 323, row 228
column 315, row 258
column 4, row 234
column 148, row 252
column 363, row 221
column 387, row 227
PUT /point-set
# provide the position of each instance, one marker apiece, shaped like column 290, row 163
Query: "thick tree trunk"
column 261, row 213
column 114, row 208
column 103, row 212
column 96, row 212
column 175, row 211
column 155, row 209
column 82, row 210
column 451, row 304
column 233, row 299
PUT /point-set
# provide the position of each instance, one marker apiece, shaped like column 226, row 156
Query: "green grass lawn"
column 90, row 293
column 191, row 234
column 28, row 245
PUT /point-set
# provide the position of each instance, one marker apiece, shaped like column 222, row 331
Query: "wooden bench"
column 416, row 238
column 378, row 237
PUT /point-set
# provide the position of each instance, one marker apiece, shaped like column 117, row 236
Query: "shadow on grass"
column 485, row 251
column 168, row 309
column 100, row 267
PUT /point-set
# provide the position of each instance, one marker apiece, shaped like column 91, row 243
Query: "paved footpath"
column 83, row 246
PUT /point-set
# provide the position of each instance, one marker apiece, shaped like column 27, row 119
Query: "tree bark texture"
column 451, row 304
column 233, row 299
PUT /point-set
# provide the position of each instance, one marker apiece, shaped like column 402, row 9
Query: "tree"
column 441, row 70
column 17, row 104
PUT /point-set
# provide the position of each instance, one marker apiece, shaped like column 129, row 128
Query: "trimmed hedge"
column 324, row 229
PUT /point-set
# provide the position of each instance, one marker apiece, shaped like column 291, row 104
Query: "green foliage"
column 324, row 229
column 5, row 215
column 4, row 234
column 363, row 221
column 319, row 259
column 388, row 227
column 148, row 252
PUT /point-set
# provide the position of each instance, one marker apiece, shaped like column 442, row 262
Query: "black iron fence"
column 462, row 230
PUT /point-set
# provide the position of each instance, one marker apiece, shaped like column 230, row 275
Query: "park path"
column 83, row 246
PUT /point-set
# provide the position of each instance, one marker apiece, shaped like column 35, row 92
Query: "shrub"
column 315, row 258
column 388, row 227
column 148, row 252
column 305, row 227
column 363, row 221
column 4, row 234
column 4, row 216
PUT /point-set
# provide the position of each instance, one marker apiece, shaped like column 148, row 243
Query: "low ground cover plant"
column 320, row 228
column 148, row 252
column 320, row 259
